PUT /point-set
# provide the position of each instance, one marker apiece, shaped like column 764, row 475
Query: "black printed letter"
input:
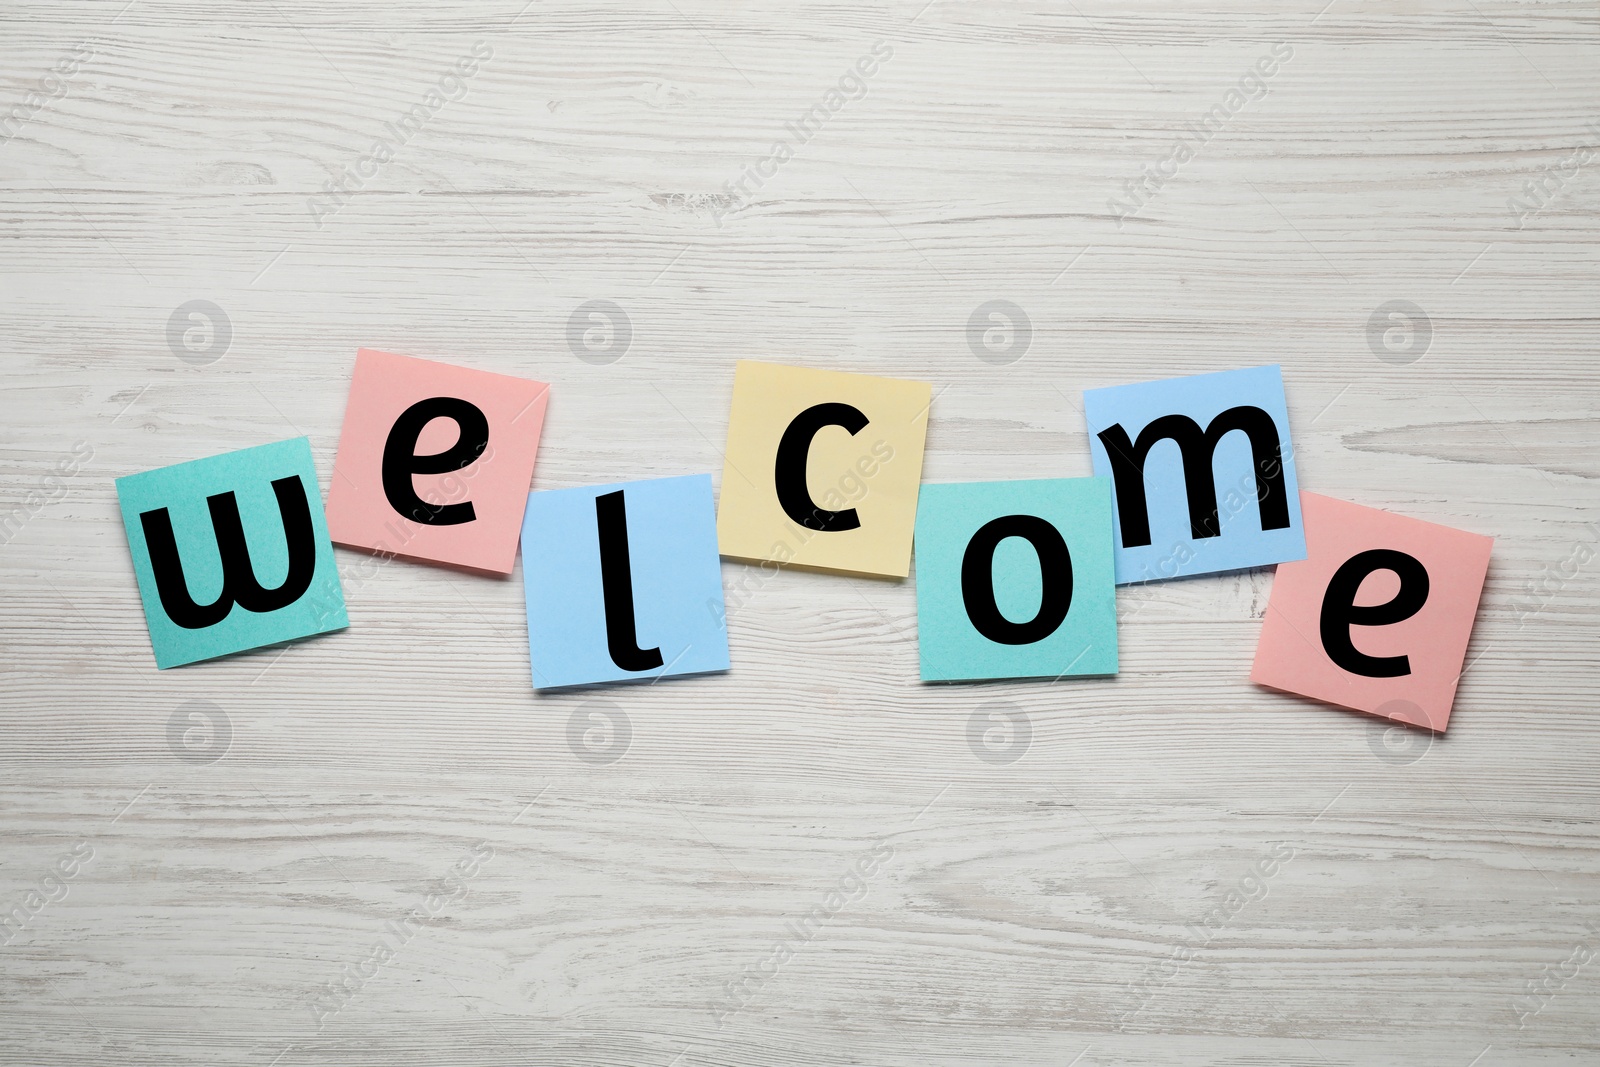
column 239, row 585
column 1055, row 573
column 1198, row 448
column 790, row 469
column 1339, row 610
column 400, row 460
column 616, row 582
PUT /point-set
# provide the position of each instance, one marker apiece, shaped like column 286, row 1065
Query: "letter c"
column 789, row 472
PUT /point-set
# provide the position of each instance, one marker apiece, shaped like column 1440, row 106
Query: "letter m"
column 1197, row 448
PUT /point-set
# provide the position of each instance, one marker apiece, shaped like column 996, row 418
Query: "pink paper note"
column 1377, row 617
column 435, row 461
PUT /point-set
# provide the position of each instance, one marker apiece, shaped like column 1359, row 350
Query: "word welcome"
column 822, row 471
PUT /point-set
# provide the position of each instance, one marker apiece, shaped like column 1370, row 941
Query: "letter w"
column 1198, row 449
column 239, row 585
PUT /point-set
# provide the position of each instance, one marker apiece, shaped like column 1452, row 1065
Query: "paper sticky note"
column 1202, row 473
column 822, row 468
column 435, row 461
column 623, row 582
column 1016, row 580
column 231, row 552
column 1377, row 616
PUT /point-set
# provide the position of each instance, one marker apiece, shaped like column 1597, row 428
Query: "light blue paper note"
column 1225, row 499
column 654, row 609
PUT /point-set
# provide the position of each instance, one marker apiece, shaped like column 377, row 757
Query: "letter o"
column 1055, row 573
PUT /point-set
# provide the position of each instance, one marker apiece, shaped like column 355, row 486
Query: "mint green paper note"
column 1015, row 580
column 232, row 552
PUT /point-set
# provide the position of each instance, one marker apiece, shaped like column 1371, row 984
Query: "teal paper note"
column 231, row 552
column 1015, row 580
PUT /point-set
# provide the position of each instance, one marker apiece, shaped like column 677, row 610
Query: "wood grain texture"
column 1030, row 912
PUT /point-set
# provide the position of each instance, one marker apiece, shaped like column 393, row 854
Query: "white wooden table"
column 1035, row 890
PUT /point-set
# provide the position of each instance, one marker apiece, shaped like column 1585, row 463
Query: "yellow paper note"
column 822, row 469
